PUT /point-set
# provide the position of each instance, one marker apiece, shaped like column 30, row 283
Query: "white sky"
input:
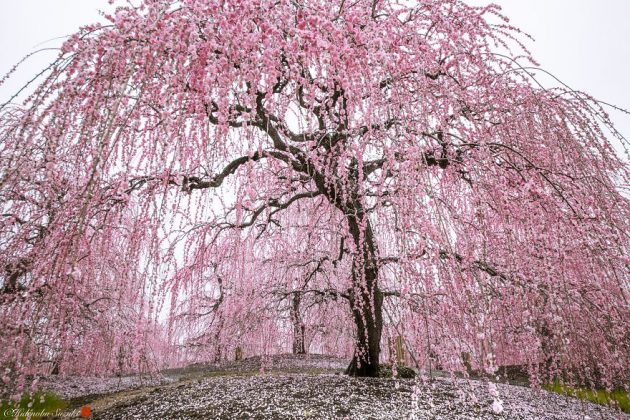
column 583, row 42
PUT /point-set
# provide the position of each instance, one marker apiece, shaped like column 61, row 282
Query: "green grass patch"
column 42, row 405
column 617, row 398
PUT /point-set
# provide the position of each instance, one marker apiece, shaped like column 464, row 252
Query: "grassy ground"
column 618, row 398
column 37, row 406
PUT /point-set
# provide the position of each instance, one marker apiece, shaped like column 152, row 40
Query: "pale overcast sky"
column 583, row 42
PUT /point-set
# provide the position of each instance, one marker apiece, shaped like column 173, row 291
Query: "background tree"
column 66, row 292
column 490, row 212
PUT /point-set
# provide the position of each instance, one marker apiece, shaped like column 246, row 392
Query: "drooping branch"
column 276, row 206
column 196, row 183
column 323, row 293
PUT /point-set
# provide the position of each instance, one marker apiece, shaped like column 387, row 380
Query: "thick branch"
column 332, row 293
column 195, row 183
column 273, row 203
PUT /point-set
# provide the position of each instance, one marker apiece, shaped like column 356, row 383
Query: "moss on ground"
column 403, row 372
column 38, row 405
column 617, row 398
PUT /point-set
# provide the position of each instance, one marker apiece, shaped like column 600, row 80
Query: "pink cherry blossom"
column 201, row 178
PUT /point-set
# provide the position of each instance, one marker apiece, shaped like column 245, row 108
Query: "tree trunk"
column 396, row 350
column 366, row 302
column 367, row 312
column 298, row 327
column 218, row 354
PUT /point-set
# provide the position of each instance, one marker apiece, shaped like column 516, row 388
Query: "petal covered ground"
column 312, row 387
column 330, row 396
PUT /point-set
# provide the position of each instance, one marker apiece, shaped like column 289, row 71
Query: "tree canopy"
column 201, row 175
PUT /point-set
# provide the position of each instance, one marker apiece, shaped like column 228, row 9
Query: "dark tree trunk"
column 216, row 307
column 366, row 301
column 218, row 353
column 298, row 327
column 367, row 312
